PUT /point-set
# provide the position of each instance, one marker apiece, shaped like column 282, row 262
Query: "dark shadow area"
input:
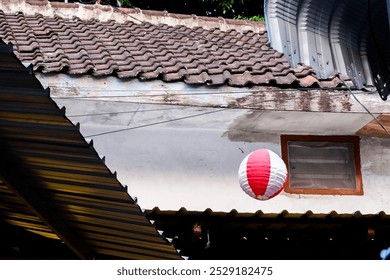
column 19, row 244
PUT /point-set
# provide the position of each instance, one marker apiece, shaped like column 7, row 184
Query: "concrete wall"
column 173, row 156
column 196, row 168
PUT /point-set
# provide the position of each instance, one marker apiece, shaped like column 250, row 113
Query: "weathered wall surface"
column 177, row 155
column 257, row 98
column 173, row 167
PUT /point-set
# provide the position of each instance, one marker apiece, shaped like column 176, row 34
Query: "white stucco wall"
column 173, row 156
column 197, row 169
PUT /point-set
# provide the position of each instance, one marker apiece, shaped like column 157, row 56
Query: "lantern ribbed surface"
column 262, row 174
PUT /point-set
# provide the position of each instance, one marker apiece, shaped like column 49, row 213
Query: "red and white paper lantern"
column 262, row 174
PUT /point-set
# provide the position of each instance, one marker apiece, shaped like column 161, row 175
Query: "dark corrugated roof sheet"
column 148, row 51
column 53, row 183
column 259, row 219
column 259, row 235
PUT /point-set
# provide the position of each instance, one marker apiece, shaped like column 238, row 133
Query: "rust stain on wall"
column 326, row 103
column 312, row 100
column 305, row 100
column 255, row 100
column 281, row 98
column 347, row 105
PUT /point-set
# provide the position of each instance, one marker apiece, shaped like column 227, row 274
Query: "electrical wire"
column 207, row 113
column 188, row 92
column 208, row 93
column 122, row 112
column 227, row 43
column 366, row 109
column 98, row 98
column 165, row 95
column 180, row 106
column 155, row 123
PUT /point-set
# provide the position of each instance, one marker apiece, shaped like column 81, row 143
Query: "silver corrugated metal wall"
column 348, row 37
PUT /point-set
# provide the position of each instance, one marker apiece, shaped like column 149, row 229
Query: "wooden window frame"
column 355, row 140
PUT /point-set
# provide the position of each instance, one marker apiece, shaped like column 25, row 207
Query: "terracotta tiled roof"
column 144, row 50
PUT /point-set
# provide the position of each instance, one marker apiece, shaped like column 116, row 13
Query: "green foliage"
column 126, row 3
column 252, row 18
column 227, row 5
column 238, row 9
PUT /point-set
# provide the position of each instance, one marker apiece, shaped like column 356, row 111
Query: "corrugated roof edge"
column 9, row 47
column 88, row 141
column 105, row 13
column 152, row 213
column 159, row 238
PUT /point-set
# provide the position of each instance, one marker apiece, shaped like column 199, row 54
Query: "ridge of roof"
column 105, row 13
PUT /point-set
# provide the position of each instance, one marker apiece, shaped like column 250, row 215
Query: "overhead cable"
column 155, row 123
column 366, row 109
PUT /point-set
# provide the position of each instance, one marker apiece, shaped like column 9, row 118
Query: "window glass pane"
column 321, row 165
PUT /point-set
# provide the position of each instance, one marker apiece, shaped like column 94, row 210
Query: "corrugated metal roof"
column 284, row 235
column 266, row 221
column 53, row 183
column 350, row 37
